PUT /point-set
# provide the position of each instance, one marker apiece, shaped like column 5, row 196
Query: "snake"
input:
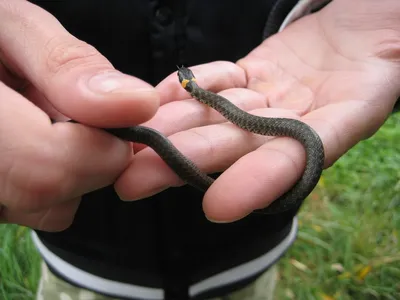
column 192, row 175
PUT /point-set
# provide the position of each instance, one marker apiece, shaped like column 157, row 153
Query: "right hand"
column 47, row 73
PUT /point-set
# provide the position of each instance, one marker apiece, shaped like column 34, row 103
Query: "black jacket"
column 163, row 247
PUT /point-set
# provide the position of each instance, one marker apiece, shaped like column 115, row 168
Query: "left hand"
column 337, row 70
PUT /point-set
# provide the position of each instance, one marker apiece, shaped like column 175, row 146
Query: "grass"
column 19, row 264
column 348, row 241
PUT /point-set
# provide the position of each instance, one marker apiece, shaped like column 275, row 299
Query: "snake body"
column 272, row 127
column 179, row 163
column 193, row 176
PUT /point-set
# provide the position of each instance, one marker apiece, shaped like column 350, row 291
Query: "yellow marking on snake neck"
column 186, row 81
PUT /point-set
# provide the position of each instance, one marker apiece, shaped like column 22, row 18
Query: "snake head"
column 186, row 78
column 185, row 74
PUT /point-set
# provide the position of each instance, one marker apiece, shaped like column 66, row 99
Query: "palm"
column 339, row 77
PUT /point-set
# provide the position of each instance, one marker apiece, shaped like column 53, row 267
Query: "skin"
column 336, row 70
column 46, row 168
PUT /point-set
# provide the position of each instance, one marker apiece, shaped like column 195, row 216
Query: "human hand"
column 45, row 168
column 337, row 70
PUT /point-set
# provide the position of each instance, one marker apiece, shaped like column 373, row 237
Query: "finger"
column 212, row 148
column 56, row 218
column 44, row 163
column 74, row 76
column 10, row 79
column 215, row 76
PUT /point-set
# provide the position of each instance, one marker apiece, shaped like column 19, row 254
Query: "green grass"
column 348, row 241
column 19, row 264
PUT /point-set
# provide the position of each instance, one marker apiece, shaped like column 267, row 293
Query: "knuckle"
column 42, row 192
column 64, row 53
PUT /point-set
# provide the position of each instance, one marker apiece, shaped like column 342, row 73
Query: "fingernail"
column 112, row 82
column 142, row 196
column 226, row 221
column 218, row 221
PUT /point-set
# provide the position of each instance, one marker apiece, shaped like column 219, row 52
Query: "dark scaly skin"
column 180, row 164
column 273, row 127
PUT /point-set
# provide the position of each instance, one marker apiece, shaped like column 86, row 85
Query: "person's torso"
column 145, row 242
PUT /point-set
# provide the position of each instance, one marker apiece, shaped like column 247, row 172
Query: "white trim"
column 247, row 269
column 302, row 8
column 118, row 289
column 93, row 282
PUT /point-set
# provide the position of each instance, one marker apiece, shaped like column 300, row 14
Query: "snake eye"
column 180, row 76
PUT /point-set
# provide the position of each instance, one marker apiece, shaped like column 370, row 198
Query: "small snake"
column 193, row 176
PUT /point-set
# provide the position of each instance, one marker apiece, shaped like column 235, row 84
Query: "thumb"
column 72, row 75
